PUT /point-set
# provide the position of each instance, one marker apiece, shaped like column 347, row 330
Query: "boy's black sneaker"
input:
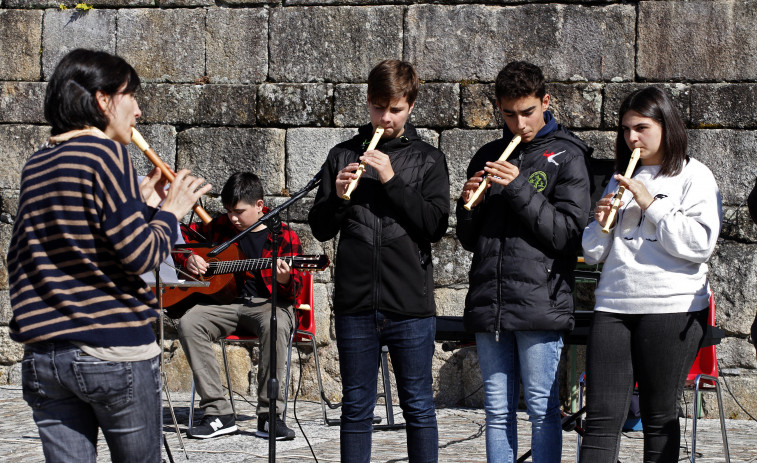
column 282, row 431
column 213, row 426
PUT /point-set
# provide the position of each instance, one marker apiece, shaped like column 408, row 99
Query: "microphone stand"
column 272, row 221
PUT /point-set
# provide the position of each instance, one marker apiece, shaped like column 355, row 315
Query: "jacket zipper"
column 376, row 263
column 499, row 294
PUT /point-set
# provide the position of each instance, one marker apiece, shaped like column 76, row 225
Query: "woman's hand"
column 640, row 193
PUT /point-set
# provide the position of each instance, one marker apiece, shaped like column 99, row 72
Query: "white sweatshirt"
column 655, row 260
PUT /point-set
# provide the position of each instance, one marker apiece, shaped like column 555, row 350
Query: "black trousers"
column 654, row 351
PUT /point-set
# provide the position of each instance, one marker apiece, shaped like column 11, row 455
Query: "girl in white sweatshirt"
column 653, row 294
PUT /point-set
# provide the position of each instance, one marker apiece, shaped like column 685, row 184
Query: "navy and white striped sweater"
column 81, row 238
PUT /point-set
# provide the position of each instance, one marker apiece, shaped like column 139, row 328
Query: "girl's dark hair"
column 70, row 101
column 654, row 103
column 241, row 186
column 392, row 79
column 519, row 79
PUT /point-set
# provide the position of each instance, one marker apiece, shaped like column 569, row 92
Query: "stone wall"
column 270, row 85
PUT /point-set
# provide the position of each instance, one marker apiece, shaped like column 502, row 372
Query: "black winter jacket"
column 525, row 236
column 383, row 260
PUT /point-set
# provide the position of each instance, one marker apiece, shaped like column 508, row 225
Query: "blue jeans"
column 531, row 357
column 410, row 340
column 72, row 394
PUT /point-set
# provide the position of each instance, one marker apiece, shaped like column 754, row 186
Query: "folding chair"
column 303, row 334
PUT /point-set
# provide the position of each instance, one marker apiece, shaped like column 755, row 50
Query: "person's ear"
column 103, row 101
column 545, row 102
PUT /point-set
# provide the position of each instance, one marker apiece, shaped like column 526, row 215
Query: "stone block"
column 183, row 3
column 573, row 43
column 602, row 142
column 5, row 239
column 227, row 105
column 451, row 262
column 736, row 352
column 143, row 37
column 198, row 104
column 726, row 49
column 307, row 149
column 66, row 30
column 344, row 53
column 728, row 155
column 250, row 2
column 576, row 106
column 179, row 374
column 237, row 45
column 479, row 107
column 437, row 105
column 216, row 153
column 9, row 203
column 450, row 301
column 21, row 36
column 616, row 93
column 22, row 102
column 169, row 103
column 737, row 225
column 162, row 139
column 729, row 105
column 10, row 351
column 350, row 105
column 17, row 143
column 6, row 312
column 733, row 271
column 294, row 104
column 459, row 146
column 295, row 212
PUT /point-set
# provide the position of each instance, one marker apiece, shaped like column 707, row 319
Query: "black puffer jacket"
column 383, row 260
column 525, row 236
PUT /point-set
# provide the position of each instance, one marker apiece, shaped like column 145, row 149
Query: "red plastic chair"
column 303, row 334
column 703, row 376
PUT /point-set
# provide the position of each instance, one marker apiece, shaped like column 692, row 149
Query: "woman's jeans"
column 531, row 357
column 655, row 351
column 410, row 341
column 72, row 394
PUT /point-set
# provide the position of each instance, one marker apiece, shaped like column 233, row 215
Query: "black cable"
column 732, row 395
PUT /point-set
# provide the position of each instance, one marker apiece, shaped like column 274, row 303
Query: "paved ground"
column 461, row 437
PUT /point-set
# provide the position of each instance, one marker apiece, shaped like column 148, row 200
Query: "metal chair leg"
column 697, row 392
column 228, row 376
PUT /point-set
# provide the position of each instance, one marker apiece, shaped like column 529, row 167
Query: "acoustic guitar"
column 223, row 273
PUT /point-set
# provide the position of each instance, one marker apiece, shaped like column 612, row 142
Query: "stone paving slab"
column 461, row 437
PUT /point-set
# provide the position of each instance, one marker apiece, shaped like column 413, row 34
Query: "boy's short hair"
column 519, row 79
column 70, row 98
column 241, row 186
column 392, row 79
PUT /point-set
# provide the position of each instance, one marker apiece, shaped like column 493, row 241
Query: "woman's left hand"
column 640, row 193
column 153, row 188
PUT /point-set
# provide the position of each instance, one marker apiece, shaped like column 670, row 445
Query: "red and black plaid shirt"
column 221, row 229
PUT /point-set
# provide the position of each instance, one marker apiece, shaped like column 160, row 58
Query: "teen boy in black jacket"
column 525, row 233
column 384, row 292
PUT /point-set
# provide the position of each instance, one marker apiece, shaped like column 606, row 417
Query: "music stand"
column 166, row 276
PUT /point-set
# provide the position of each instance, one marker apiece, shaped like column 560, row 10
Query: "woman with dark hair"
column 84, row 232
column 653, row 295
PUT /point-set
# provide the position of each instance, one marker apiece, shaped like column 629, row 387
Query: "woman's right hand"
column 603, row 207
column 184, row 192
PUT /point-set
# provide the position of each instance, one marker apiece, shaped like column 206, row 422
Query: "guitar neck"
column 245, row 265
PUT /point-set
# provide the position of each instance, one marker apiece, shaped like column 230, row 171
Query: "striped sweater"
column 81, row 238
